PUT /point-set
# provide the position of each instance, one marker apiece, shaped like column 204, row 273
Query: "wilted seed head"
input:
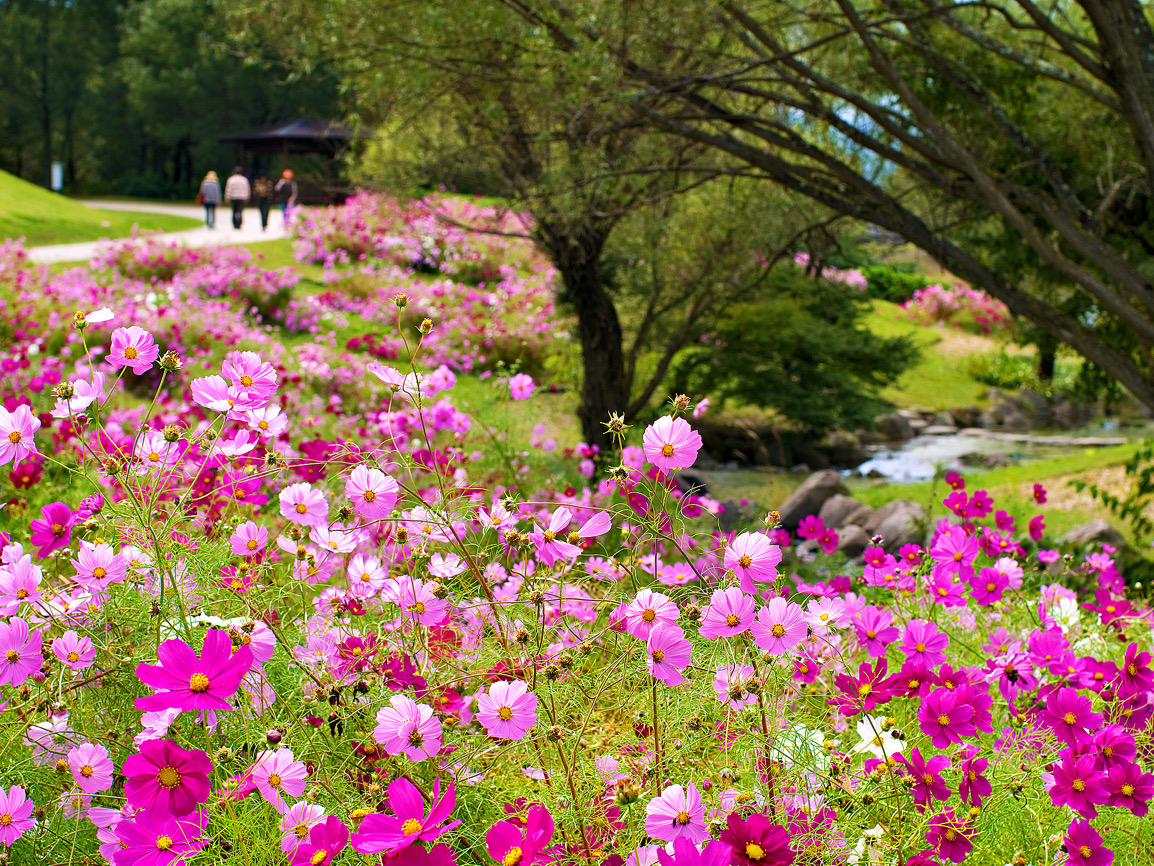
column 729, row 775
column 439, row 590
column 616, row 425
column 345, row 512
column 619, row 474
column 522, row 636
column 211, row 435
column 294, row 532
column 401, row 300
column 716, row 828
column 113, row 467
column 626, row 792
column 693, row 723
column 868, row 799
column 171, row 362
column 536, row 597
column 565, row 660
column 552, row 673
column 554, row 734
column 171, row 433
column 402, row 535
column 271, row 458
column 691, row 612
column 680, row 402
column 584, row 647
column 426, row 326
column 222, row 756
column 888, row 722
column 754, row 686
column 91, row 524
column 154, row 609
column 64, row 390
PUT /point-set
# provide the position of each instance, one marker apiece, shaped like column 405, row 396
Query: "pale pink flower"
column 91, row 767
column 296, row 823
column 17, row 429
column 84, row 394
column 252, row 381
column 780, row 626
column 823, row 614
column 667, row 654
column 521, row 387
column 408, row 728
column 507, row 710
column 304, row 506
column 211, row 392
column 372, row 492
column 752, row 557
column 19, row 584
column 729, row 612
column 677, row 813
column 270, row 421
column 98, row 566
column 731, row 685
column 418, row 603
column 648, row 610
column 276, row 774
column 155, row 453
column 73, row 651
column 670, row 443
column 248, row 539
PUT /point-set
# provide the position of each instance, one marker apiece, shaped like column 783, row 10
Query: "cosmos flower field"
column 274, row 597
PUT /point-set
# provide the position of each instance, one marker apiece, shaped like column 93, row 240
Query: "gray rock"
column 799, row 469
column 1036, row 406
column 810, row 497
column 734, row 514
column 895, row 427
column 1016, row 422
column 943, row 419
column 965, row 416
column 1094, row 531
column 836, row 509
column 852, row 540
column 860, row 517
column 918, row 425
column 692, row 481
column 940, row 430
column 897, row 522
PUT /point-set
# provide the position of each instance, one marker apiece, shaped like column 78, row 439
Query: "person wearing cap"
column 238, row 192
column 286, row 193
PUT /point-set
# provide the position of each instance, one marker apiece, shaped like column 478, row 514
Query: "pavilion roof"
column 302, row 129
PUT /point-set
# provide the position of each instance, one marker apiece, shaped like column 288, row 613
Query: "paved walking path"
column 223, row 234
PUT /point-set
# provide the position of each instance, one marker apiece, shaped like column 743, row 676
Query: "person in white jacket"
column 238, row 192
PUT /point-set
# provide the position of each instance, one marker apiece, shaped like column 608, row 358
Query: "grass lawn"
column 42, row 217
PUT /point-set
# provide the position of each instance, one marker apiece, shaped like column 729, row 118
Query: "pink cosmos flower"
column 17, row 429
column 550, row 541
column 509, row 843
column 926, row 776
column 277, row 773
column 668, row 653
column 507, row 710
column 822, row 614
column 326, row 840
column 521, row 387
column 1078, row 783
column 408, row 728
column 954, row 553
column 1130, row 788
column 211, row 392
column 730, row 612
column 1039, row 494
column 252, row 381
column 950, row 836
column 677, row 813
column 752, row 557
column 84, row 394
column 74, row 651
column 730, row 686
column 91, row 767
column 296, row 823
column 270, row 421
column 701, row 408
column 1048, row 556
column 1084, row 846
column 304, row 506
column 408, row 825
column 159, row 839
column 875, row 630
column 780, row 626
column 164, row 779
column 19, row 584
column 924, row 644
column 157, row 454
column 988, row 586
column 944, row 719
column 248, row 539
column 418, row 603
column 20, row 655
column 53, row 529
column 187, row 682
column 134, row 348
column 670, row 443
column 648, row 610
column 1069, row 715
column 15, row 814
column 372, row 492
column 98, row 566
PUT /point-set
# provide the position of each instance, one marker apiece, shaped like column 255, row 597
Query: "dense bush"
column 890, row 283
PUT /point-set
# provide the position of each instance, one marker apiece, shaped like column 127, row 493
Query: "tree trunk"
column 605, row 389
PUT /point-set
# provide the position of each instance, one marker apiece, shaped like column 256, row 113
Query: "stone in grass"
column 852, row 541
column 840, row 510
column 810, row 497
column 1094, row 531
column 898, row 522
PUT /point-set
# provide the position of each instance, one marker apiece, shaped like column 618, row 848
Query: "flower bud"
column 426, row 326
column 171, row 362
column 64, row 390
column 401, row 300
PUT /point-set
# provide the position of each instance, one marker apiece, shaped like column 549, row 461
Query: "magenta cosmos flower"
column 508, row 710
column 91, row 767
column 164, row 779
column 670, row 443
column 1069, row 715
column 304, row 506
column 276, row 774
column 185, row 682
column 668, row 652
column 780, row 626
column 133, row 348
column 685, row 853
column 74, row 651
column 372, row 492
column 159, row 840
column 952, row 838
column 1079, row 784
column 954, row 553
column 15, row 814
column 326, row 840
column 20, row 655
column 521, row 386
column 756, row 841
column 252, row 381
column 296, row 823
column 731, row 685
column 1084, row 846
column 98, row 565
column 53, row 529
column 924, row 644
column 729, row 613
column 17, row 429
column 508, row 843
column 1130, row 788
column 408, row 728
column 408, row 824
column 945, row 719
column 927, row 778
column 678, row 812
column 752, row 557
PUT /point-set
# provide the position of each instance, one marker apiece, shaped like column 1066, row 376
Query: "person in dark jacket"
column 286, row 194
column 262, row 191
column 210, row 196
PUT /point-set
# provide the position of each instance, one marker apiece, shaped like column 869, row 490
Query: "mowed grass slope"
column 42, row 217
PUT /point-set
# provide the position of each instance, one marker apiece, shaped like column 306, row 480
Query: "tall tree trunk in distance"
column 45, row 104
column 605, row 388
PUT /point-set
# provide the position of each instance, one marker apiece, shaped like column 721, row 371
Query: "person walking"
column 210, row 198
column 262, row 191
column 286, row 194
column 238, row 192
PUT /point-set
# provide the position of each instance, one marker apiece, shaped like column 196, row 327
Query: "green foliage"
column 1013, row 372
column 893, row 284
column 802, row 349
column 1133, row 505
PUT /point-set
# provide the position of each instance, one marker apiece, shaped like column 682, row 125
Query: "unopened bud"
column 680, row 402
column 171, row 433
column 426, row 326
column 401, row 300
column 171, row 362
column 402, row 535
column 772, row 519
column 554, row 734
column 112, row 467
column 64, row 390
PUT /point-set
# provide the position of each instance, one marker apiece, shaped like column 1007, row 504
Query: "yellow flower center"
column 274, row 780
column 168, row 777
column 369, row 495
column 5, row 820
column 928, row 778
column 301, row 831
column 163, row 843
column 745, row 562
column 416, row 737
column 943, row 719
column 130, row 352
column 319, row 857
column 1085, row 851
column 246, row 380
column 732, row 620
column 1079, row 785
column 99, row 572
column 1068, row 718
column 683, row 818
column 411, row 826
column 263, row 425
column 871, row 634
column 198, row 683
column 1128, row 790
column 666, row 450
column 504, row 714
column 14, row 437
column 301, row 508
column 778, row 630
column 12, row 656
column 754, row 851
column 74, row 656
column 951, row 836
column 512, row 857
column 659, row 656
column 22, row 593
column 649, row 614
column 958, row 556
column 251, row 544
column 920, row 647
column 550, row 535
column 864, row 689
column 86, row 771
